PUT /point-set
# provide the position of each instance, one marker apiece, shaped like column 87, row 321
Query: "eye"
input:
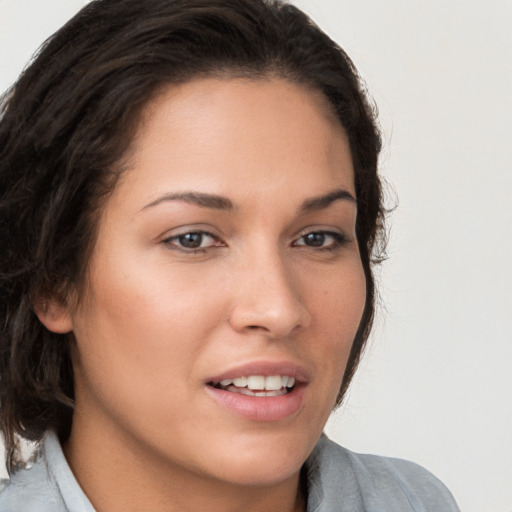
column 322, row 240
column 193, row 241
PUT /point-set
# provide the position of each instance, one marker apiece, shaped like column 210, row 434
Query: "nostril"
column 258, row 328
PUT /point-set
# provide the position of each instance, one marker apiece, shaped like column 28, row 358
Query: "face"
column 226, row 262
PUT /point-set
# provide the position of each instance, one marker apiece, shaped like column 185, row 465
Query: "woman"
column 190, row 211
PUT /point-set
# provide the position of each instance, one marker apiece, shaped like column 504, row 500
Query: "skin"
column 156, row 319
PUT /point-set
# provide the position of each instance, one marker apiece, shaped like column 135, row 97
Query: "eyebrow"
column 324, row 201
column 217, row 202
column 212, row 201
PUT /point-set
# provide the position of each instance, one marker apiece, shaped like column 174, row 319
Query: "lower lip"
column 265, row 408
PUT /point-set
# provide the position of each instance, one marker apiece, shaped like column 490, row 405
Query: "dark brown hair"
column 70, row 118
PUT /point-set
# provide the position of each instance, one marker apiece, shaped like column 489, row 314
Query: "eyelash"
column 339, row 240
column 171, row 242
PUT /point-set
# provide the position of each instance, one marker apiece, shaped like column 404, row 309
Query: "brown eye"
column 192, row 241
column 322, row 240
column 314, row 239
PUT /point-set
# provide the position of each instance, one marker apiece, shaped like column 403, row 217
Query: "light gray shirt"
column 338, row 481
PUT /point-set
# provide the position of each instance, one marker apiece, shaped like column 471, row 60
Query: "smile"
column 260, row 391
column 258, row 385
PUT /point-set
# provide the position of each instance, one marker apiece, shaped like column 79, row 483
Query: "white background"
column 436, row 383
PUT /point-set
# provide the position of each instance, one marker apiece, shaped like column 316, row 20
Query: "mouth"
column 261, row 391
column 257, row 385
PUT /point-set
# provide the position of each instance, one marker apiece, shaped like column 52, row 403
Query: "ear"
column 54, row 315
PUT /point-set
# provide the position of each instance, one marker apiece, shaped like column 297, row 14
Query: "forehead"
column 226, row 136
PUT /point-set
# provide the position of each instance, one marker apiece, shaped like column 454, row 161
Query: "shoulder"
column 30, row 489
column 46, row 485
column 371, row 483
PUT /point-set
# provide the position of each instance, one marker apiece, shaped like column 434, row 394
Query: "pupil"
column 191, row 240
column 314, row 239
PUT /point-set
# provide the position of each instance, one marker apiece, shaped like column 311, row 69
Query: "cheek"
column 339, row 308
column 140, row 331
column 340, row 303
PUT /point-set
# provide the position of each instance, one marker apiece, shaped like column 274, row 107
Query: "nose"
column 267, row 298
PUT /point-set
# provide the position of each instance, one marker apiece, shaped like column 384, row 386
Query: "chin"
column 263, row 460
column 262, row 473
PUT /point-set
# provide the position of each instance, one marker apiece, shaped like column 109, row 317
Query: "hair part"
column 66, row 125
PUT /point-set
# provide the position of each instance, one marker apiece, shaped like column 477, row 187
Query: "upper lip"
column 266, row 369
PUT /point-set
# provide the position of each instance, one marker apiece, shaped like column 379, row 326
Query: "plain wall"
column 436, row 383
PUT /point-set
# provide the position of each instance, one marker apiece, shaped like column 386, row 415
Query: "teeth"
column 240, row 382
column 248, row 392
column 273, row 383
column 260, row 383
column 256, row 382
